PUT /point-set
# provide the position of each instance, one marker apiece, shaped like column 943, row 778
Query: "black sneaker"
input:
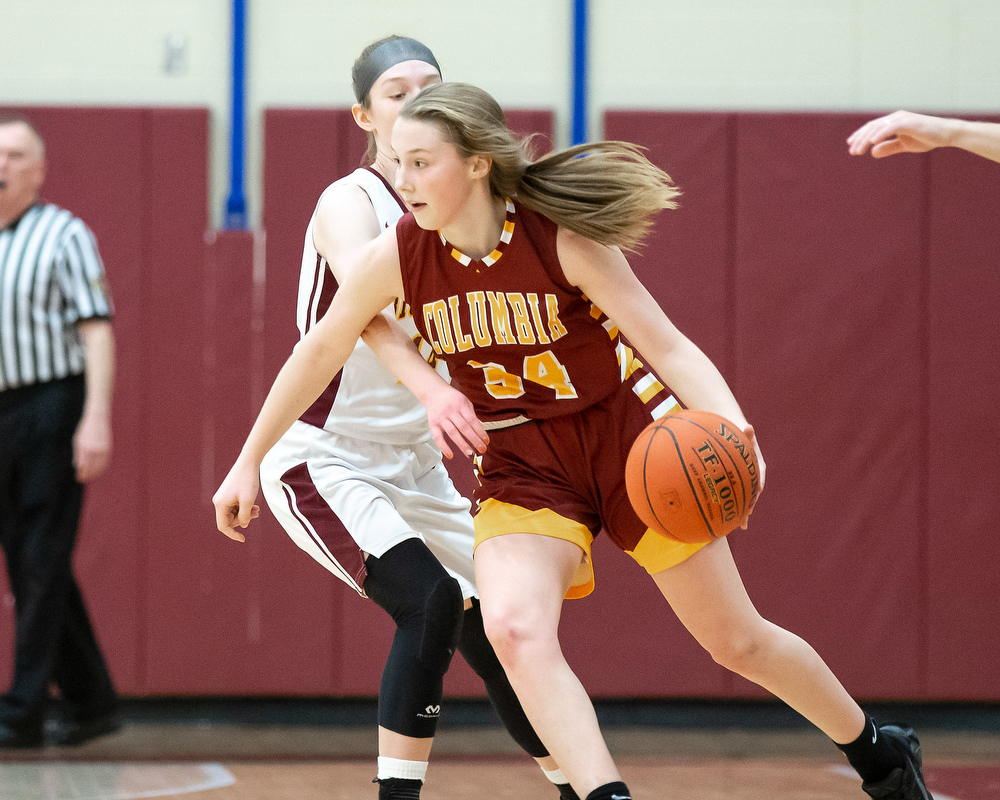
column 68, row 732
column 906, row 782
column 398, row 788
column 17, row 737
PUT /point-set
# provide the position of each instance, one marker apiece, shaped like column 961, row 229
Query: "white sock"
column 398, row 768
column 556, row 776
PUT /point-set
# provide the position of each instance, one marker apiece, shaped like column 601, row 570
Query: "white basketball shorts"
column 339, row 498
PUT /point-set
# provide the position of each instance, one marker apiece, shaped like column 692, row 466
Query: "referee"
column 56, row 377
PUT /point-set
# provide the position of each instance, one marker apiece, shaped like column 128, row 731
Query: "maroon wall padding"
column 963, row 473
column 230, row 608
column 687, row 262
column 829, row 369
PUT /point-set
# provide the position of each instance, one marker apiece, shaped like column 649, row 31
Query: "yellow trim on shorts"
column 656, row 552
column 496, row 518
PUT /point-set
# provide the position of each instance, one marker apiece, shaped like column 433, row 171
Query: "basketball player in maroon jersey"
column 519, row 296
column 357, row 481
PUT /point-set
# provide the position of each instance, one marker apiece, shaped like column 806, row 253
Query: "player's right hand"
column 234, row 500
column 451, row 416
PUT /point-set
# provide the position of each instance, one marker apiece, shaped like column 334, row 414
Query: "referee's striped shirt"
column 51, row 278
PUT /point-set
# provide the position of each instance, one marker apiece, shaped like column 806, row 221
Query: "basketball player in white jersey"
column 358, row 482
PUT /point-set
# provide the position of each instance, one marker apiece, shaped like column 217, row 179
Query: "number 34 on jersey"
column 503, row 318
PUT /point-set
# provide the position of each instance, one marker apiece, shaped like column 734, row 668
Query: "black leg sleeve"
column 425, row 602
column 478, row 652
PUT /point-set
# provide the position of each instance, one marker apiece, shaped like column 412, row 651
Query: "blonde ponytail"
column 606, row 191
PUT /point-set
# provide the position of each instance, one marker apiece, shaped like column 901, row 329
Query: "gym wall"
column 646, row 54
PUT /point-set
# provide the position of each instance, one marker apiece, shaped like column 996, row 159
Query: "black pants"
column 40, row 503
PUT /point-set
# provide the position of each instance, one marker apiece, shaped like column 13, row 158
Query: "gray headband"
column 387, row 55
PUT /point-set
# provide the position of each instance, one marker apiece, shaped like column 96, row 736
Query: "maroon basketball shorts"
column 565, row 477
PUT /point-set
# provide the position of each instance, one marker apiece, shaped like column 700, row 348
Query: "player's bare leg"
column 707, row 594
column 522, row 581
column 408, row 748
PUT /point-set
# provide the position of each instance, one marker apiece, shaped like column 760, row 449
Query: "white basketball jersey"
column 364, row 400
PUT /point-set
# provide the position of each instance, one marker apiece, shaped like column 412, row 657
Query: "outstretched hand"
column 234, row 501
column 453, row 421
column 900, row 132
column 751, row 436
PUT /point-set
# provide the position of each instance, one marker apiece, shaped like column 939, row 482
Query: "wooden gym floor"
column 697, row 753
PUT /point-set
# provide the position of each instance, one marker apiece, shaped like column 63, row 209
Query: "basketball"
column 691, row 476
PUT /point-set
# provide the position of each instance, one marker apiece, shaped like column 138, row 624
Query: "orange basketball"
column 692, row 476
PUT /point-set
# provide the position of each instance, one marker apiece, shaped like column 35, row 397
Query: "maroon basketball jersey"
column 520, row 341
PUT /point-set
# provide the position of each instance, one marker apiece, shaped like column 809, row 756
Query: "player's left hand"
column 751, row 436
column 453, row 420
column 901, row 132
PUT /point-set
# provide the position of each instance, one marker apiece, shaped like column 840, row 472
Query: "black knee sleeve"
column 442, row 625
column 425, row 602
column 478, row 652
